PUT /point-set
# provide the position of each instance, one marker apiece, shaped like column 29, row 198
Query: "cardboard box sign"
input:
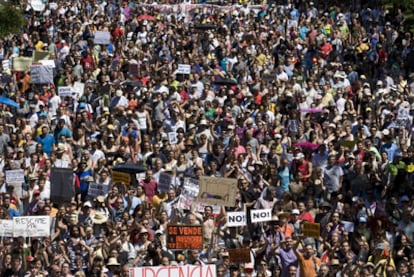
column 239, row 255
column 185, row 237
column 312, row 230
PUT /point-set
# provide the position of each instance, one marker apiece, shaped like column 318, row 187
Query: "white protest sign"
column 41, row 74
column 183, row 69
column 6, row 226
column 64, row 91
column 96, row 189
column 79, row 88
column 5, row 64
column 172, row 137
column 261, row 215
column 102, row 37
column 37, row 5
column 235, row 219
column 205, row 270
column 15, row 176
column 31, row 226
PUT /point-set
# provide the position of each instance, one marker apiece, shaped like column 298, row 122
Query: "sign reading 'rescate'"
column 185, row 237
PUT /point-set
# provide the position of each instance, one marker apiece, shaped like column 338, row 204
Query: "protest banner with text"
column 207, row 270
column 31, row 226
column 185, row 237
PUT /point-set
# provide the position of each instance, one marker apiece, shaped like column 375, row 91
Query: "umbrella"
column 146, row 17
column 225, row 82
column 306, row 144
column 130, row 168
column 205, row 26
column 311, row 110
column 9, row 102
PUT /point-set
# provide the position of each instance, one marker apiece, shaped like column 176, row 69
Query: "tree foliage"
column 11, row 20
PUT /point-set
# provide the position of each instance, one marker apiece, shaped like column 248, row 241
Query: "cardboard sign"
column 188, row 194
column 64, row 91
column 235, row 219
column 121, row 177
column 6, row 227
column 15, row 176
column 206, row 270
column 21, row 63
column 218, row 191
column 31, row 226
column 172, row 137
column 62, row 187
column 312, row 230
column 184, row 237
column 41, row 74
column 165, row 181
column 261, row 215
column 183, row 69
column 95, row 190
column 40, row 55
column 239, row 255
column 102, row 37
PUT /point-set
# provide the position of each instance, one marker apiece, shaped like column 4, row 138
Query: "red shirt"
column 150, row 188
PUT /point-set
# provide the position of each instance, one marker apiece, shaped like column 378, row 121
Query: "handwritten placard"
column 31, row 226
column 121, row 178
column 96, row 189
column 239, row 255
column 6, row 227
column 64, row 91
column 185, row 237
column 217, row 191
column 15, row 176
column 183, row 69
column 312, row 230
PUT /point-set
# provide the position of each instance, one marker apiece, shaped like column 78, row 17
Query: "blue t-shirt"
column 47, row 143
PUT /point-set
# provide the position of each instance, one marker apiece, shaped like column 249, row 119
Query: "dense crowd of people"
column 308, row 105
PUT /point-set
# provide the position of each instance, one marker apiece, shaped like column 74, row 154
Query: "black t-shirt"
column 10, row 273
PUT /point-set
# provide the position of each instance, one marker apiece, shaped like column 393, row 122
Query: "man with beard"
column 287, row 256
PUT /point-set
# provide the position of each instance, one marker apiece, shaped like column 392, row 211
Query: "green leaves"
column 11, row 20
